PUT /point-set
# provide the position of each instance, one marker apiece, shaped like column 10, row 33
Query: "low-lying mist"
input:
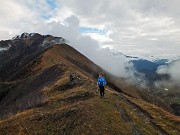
column 173, row 70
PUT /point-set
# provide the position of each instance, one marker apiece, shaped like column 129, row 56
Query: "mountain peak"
column 33, row 40
column 24, row 35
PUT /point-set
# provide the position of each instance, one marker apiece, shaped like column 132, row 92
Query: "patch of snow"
column 45, row 42
column 4, row 48
column 32, row 34
column 16, row 37
column 49, row 42
column 24, row 36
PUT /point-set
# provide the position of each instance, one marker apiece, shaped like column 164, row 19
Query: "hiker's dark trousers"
column 101, row 88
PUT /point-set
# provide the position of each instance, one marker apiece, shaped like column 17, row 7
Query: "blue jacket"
column 101, row 81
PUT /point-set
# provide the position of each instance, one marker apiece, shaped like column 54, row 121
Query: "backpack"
column 101, row 83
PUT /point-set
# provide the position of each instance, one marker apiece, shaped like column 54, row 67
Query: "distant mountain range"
column 148, row 68
column 149, row 65
column 161, row 59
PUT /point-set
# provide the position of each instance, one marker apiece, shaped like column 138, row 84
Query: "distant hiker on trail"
column 101, row 83
column 71, row 77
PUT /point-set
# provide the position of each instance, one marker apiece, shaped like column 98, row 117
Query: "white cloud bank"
column 173, row 71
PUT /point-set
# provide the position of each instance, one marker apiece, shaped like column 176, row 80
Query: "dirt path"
column 144, row 115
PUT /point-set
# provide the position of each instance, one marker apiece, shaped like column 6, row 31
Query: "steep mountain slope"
column 38, row 98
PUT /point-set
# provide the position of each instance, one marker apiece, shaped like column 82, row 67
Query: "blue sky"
column 52, row 3
column 92, row 30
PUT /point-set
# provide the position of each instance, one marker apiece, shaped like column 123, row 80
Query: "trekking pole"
column 97, row 90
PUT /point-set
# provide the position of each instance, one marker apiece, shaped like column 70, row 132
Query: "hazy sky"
column 134, row 27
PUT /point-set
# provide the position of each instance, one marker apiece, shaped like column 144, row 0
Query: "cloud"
column 141, row 27
column 21, row 16
column 172, row 70
column 172, row 82
column 86, row 45
column 150, row 26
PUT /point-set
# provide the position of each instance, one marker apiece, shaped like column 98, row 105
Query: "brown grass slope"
column 48, row 103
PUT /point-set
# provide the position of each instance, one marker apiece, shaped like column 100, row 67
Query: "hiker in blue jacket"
column 101, row 83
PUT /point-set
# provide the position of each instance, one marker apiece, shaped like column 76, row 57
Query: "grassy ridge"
column 80, row 110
